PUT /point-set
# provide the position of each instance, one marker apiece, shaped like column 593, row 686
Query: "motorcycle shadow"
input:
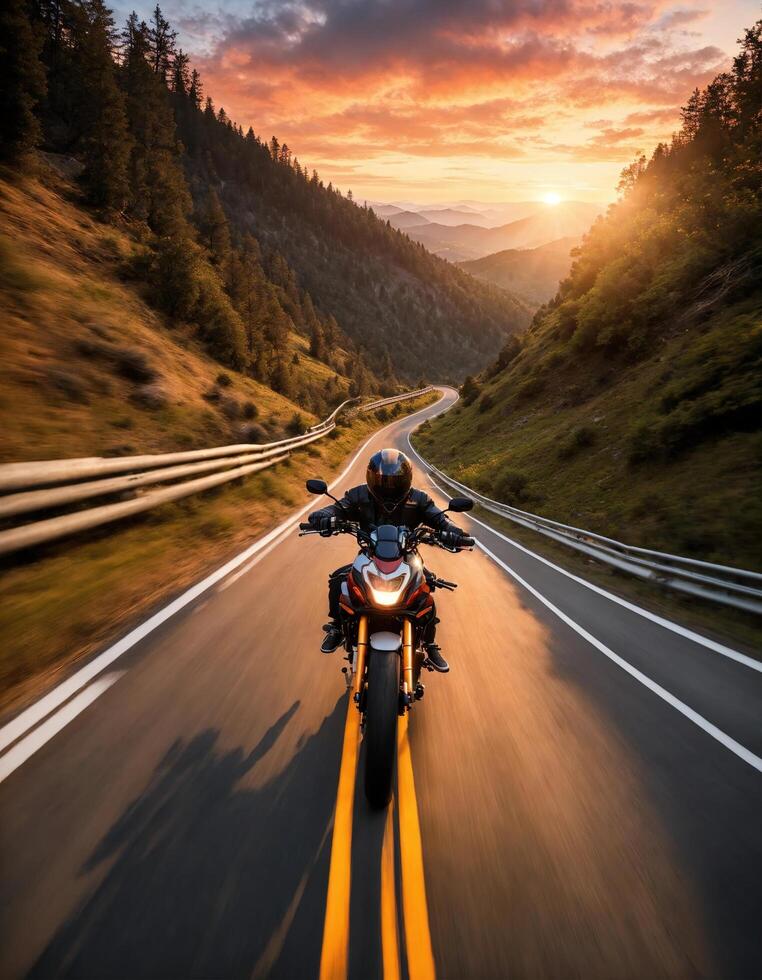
column 203, row 877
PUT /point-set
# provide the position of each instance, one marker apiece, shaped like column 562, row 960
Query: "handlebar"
column 421, row 535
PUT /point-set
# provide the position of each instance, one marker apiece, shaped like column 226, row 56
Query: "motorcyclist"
column 385, row 498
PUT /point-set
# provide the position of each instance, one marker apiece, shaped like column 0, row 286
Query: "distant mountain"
column 500, row 213
column 403, row 220
column 452, row 216
column 385, row 210
column 570, row 219
column 531, row 273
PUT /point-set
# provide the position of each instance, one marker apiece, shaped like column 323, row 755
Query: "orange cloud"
column 484, row 85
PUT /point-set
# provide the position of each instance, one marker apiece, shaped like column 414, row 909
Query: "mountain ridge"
column 468, row 241
column 533, row 274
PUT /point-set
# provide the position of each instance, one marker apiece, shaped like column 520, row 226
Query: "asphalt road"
column 579, row 797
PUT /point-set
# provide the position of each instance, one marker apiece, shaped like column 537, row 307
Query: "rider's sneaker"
column 333, row 638
column 435, row 659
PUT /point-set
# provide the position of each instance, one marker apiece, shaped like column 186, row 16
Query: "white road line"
column 20, row 752
column 730, row 743
column 34, row 714
column 669, row 624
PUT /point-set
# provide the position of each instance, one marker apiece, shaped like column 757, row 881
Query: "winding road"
column 580, row 797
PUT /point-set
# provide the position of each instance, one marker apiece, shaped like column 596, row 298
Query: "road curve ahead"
column 579, row 797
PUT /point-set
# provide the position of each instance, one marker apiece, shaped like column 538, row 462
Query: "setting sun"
column 552, row 199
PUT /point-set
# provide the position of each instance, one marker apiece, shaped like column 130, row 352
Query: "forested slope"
column 237, row 237
column 633, row 405
column 532, row 273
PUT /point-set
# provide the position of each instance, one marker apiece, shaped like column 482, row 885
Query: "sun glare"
column 552, row 199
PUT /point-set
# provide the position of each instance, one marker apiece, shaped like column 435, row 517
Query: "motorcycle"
column 386, row 604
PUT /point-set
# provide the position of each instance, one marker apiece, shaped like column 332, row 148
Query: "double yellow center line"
column 418, row 950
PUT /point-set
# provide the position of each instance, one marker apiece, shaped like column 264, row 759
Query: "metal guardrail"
column 707, row 580
column 381, row 402
column 332, row 417
column 50, row 484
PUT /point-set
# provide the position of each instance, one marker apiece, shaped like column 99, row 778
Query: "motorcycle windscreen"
column 387, row 543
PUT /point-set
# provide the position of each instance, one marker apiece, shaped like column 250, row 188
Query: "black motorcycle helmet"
column 389, row 477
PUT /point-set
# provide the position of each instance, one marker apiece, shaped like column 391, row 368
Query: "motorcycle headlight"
column 385, row 591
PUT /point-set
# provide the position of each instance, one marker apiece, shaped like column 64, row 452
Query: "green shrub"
column 510, row 350
column 486, row 402
column 469, row 390
column 510, row 486
column 533, row 385
column 579, row 438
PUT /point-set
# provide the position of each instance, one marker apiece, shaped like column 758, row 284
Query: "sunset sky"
column 449, row 100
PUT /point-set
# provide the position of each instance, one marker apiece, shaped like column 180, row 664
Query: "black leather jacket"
column 359, row 504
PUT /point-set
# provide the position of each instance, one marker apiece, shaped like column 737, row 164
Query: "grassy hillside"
column 87, row 367
column 572, row 443
column 633, row 405
column 531, row 273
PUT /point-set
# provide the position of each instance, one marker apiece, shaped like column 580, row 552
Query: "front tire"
column 381, row 712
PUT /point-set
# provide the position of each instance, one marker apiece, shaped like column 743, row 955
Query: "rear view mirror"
column 317, row 486
column 460, row 504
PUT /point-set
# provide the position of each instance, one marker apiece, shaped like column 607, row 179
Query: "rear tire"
column 381, row 713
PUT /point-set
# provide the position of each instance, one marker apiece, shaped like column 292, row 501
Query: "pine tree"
column 215, row 232
column 196, row 90
column 22, row 82
column 161, row 40
column 105, row 139
column 159, row 191
column 281, row 378
column 176, row 276
column 247, row 292
column 691, row 115
column 276, row 323
column 181, row 79
column 747, row 80
column 317, row 341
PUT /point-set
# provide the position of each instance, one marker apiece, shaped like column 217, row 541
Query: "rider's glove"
column 456, row 538
column 326, row 525
column 322, row 522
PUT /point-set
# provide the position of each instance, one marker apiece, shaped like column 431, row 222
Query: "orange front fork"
column 361, row 657
column 407, row 661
